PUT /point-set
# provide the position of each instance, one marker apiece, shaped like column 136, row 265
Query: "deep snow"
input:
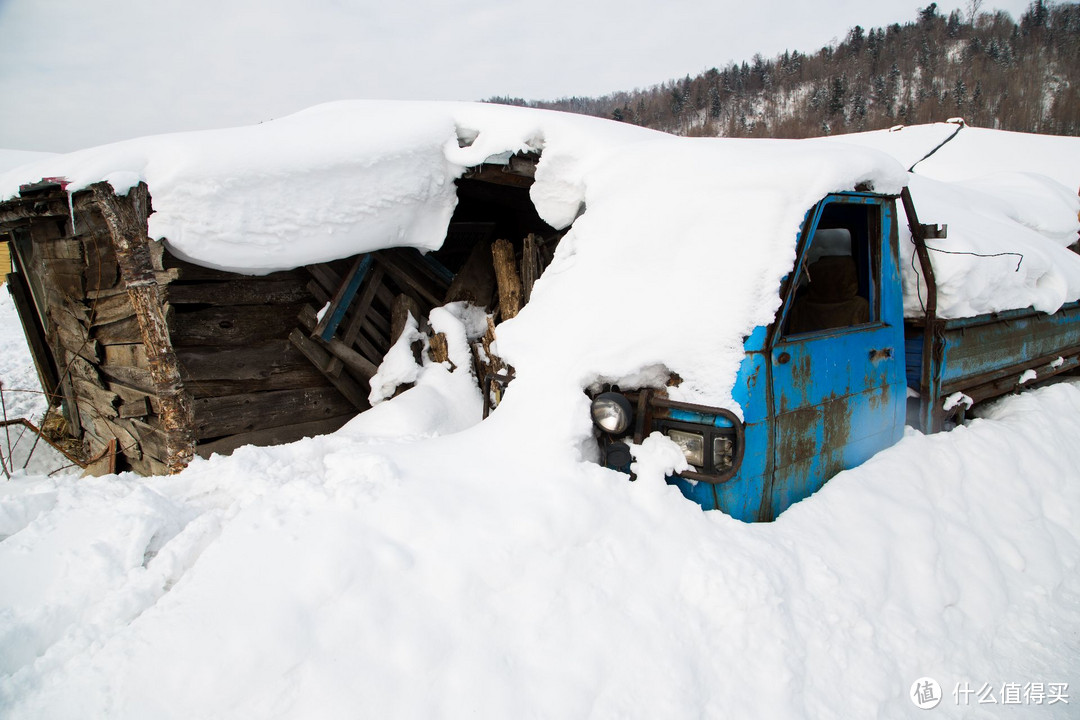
column 393, row 576
column 418, row 563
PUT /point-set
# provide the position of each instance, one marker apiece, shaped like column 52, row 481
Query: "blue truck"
column 840, row 371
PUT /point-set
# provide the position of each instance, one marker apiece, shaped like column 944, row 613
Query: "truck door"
column 836, row 349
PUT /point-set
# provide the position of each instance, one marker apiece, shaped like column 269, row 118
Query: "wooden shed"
column 153, row 360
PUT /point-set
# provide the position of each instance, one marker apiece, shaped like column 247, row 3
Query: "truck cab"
column 821, row 389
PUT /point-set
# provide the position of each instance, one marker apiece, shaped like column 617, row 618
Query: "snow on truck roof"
column 698, row 222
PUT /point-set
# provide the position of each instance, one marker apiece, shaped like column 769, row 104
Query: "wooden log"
column 403, row 307
column 507, row 279
column 246, row 291
column 362, row 367
column 475, row 282
column 233, row 414
column 272, row 365
column 126, row 221
column 272, row 436
column 530, row 265
column 234, row 325
column 439, row 350
column 320, row 357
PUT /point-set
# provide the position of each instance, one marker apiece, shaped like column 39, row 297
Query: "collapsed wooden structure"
column 154, row 360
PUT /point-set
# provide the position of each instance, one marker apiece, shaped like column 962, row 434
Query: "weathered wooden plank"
column 343, row 297
column 104, row 464
column 101, row 270
column 272, row 436
column 530, row 265
column 128, row 443
column 47, row 229
column 232, row 414
column 507, row 278
column 134, row 396
column 321, row 296
column 34, row 332
column 369, row 352
column 407, row 280
column 126, row 331
column 130, row 354
column 475, row 282
column 273, row 365
column 362, row 305
column 62, row 249
column 101, row 400
column 403, row 307
column 424, row 267
column 134, row 408
column 320, row 358
column 246, row 291
column 111, row 309
column 326, row 277
column 189, row 272
column 133, row 377
column 234, row 325
column 152, row 437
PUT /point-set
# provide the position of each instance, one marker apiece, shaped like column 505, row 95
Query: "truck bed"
column 986, row 356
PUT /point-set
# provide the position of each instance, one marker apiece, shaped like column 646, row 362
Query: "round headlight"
column 612, row 412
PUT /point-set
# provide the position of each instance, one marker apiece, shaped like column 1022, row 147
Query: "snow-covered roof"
column 697, row 222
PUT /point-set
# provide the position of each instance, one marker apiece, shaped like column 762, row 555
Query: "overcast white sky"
column 75, row 73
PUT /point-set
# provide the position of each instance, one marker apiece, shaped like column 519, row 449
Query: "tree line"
column 982, row 66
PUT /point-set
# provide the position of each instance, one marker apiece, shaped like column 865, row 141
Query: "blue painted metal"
column 817, row 403
column 984, row 356
column 337, row 312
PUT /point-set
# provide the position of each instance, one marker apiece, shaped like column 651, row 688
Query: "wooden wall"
column 246, row 382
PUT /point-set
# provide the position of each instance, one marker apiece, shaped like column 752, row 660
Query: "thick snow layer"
column 478, row 574
column 331, row 181
column 1010, row 202
column 973, row 152
column 348, row 177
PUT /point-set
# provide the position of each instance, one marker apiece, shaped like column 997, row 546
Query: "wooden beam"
column 126, row 221
column 320, row 358
column 273, row 436
column 506, row 275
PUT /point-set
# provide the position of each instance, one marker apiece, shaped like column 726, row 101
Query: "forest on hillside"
column 985, row 67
